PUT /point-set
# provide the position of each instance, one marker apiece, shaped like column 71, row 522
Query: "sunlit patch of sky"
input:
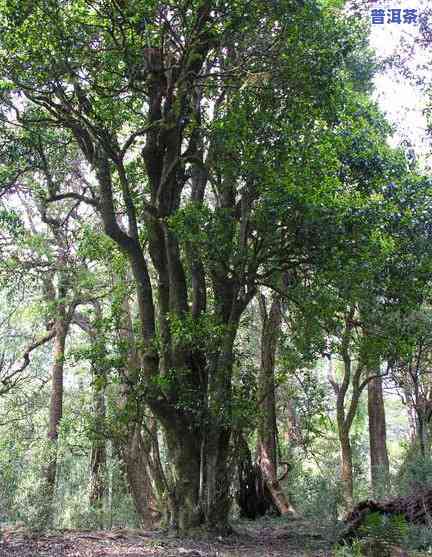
column 399, row 97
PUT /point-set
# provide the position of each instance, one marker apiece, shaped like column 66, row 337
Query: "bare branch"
column 73, row 195
column 7, row 379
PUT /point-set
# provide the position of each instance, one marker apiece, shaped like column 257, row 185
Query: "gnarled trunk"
column 191, row 401
column 185, row 510
column 199, row 451
column 218, row 503
column 216, row 442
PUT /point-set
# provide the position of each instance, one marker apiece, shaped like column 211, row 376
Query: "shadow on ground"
column 265, row 538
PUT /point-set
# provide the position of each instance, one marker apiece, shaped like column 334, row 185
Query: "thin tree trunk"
column 98, row 457
column 346, row 407
column 293, row 427
column 135, row 459
column 411, row 414
column 62, row 319
column 421, row 432
column 346, row 469
column 379, row 461
column 98, row 487
column 132, row 448
column 97, row 475
column 56, row 405
column 266, row 441
column 419, row 411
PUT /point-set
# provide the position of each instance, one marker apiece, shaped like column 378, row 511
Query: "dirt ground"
column 267, row 539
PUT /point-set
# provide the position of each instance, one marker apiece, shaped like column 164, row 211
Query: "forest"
column 215, row 280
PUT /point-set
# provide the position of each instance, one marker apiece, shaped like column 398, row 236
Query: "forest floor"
column 266, row 538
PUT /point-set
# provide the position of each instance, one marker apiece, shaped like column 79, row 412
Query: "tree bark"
column 133, row 449
column 135, row 458
column 346, row 469
column 193, row 406
column 98, row 487
column 98, row 462
column 184, row 505
column 379, row 461
column 56, row 405
column 253, row 496
column 98, row 456
column 411, row 414
column 266, row 439
column 191, row 401
column 346, row 408
column 217, row 503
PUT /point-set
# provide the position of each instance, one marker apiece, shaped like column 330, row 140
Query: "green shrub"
column 392, row 529
column 353, row 550
column 419, row 538
column 317, row 497
column 415, row 473
column 377, row 535
column 380, row 533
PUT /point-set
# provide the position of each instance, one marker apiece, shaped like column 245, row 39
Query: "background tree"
column 379, row 460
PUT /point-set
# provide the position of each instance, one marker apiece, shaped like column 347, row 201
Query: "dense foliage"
column 214, row 268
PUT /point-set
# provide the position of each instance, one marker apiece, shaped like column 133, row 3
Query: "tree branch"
column 6, row 380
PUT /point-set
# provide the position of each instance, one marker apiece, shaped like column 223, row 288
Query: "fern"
column 391, row 529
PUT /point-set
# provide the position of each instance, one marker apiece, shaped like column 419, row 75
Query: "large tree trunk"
column 199, row 493
column 185, row 510
column 217, row 502
column 266, row 439
column 198, row 450
column 379, row 461
column 188, row 389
